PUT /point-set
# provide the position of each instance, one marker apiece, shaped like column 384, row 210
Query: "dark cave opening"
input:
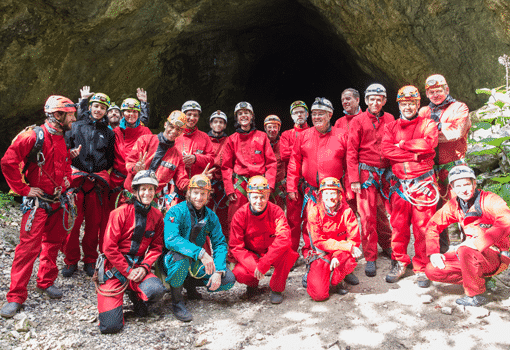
column 271, row 56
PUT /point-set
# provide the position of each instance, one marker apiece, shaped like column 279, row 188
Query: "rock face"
column 218, row 52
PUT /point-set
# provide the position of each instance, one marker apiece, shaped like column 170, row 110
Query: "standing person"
column 195, row 146
column 187, row 225
column 259, row 239
column 218, row 203
column 90, row 181
column 335, row 240
column 42, row 184
column 484, row 219
column 272, row 125
column 113, row 114
column 133, row 241
column 157, row 153
column 318, row 153
column 368, row 170
column 246, row 153
column 453, row 124
column 350, row 103
column 409, row 144
column 299, row 114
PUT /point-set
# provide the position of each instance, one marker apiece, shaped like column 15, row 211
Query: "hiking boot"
column 10, row 309
column 69, row 270
column 89, row 269
column 387, row 252
column 341, row 288
column 191, row 289
column 477, row 300
column 140, row 307
column 423, row 281
column 398, row 269
column 52, row 292
column 370, row 269
column 276, row 297
column 351, row 279
column 178, row 307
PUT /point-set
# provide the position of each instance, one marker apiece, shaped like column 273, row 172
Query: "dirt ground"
column 373, row 315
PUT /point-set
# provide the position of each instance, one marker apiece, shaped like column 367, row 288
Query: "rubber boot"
column 190, row 284
column 178, row 307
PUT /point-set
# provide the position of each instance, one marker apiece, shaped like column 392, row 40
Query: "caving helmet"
column 258, row 184
column 408, row 93
column 375, row 89
column 190, row 105
column 100, row 98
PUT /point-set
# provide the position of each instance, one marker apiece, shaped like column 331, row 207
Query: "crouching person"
column 334, row 238
column 484, row 219
column 132, row 243
column 259, row 239
column 187, row 225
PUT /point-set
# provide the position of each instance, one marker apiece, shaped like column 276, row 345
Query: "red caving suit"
column 279, row 193
column 412, row 160
column 47, row 233
column 333, row 236
column 259, row 242
column 487, row 221
column 364, row 148
column 287, row 141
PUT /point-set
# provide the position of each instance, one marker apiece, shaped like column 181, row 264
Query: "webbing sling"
column 309, row 193
column 409, row 182
column 239, row 181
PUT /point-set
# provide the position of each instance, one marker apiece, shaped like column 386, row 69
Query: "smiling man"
column 187, row 225
column 259, row 239
column 272, row 125
column 484, row 219
column 367, row 170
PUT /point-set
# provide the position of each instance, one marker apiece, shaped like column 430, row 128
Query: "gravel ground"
column 374, row 315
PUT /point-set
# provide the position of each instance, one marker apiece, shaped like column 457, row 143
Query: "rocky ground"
column 374, row 315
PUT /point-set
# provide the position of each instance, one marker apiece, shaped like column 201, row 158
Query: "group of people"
column 188, row 209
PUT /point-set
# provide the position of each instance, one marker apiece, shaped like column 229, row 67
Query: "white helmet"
column 189, row 105
column 145, row 177
column 218, row 114
column 243, row 105
column 461, row 172
column 375, row 89
column 323, row 104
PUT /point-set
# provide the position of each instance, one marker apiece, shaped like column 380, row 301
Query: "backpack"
column 36, row 149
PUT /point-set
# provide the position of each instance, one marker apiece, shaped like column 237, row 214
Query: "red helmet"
column 56, row 103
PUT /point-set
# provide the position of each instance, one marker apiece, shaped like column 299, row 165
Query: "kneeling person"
column 334, row 237
column 259, row 239
column 484, row 218
column 133, row 241
column 187, row 225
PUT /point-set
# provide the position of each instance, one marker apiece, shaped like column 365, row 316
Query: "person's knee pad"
column 153, row 288
column 111, row 321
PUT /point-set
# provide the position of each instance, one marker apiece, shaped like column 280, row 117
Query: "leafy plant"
column 6, row 200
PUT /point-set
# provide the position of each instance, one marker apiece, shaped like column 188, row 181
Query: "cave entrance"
column 269, row 54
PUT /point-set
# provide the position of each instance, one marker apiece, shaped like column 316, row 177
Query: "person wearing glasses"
column 409, row 144
column 299, row 114
column 453, row 124
column 318, row 153
column 367, row 172
column 484, row 219
column 187, row 225
column 246, row 153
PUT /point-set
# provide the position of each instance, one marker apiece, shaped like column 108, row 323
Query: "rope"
column 420, row 186
column 108, row 292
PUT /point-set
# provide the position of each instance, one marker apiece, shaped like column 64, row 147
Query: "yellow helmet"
column 100, row 98
column 200, row 181
column 434, row 81
column 258, row 184
column 408, row 93
column 330, row 183
column 177, row 119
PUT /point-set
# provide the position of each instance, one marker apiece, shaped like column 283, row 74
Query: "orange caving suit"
column 412, row 159
column 453, row 125
column 259, row 241
column 315, row 156
column 246, row 155
column 367, row 165
column 333, row 236
column 487, row 221
column 47, row 232
column 287, row 141
column 171, row 166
